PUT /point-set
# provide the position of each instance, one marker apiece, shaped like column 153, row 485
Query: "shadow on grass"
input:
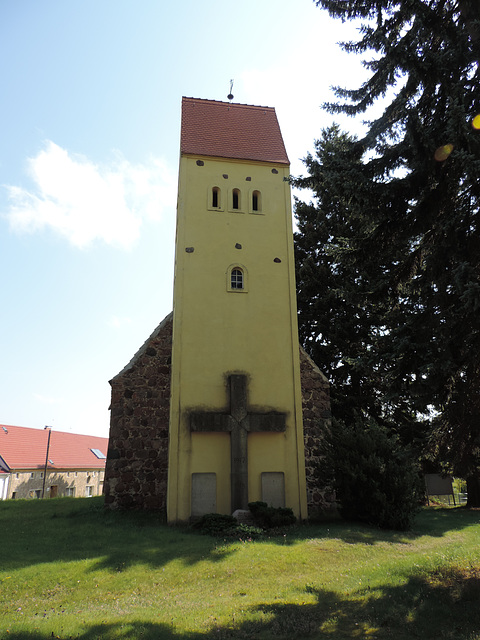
column 439, row 606
column 429, row 607
column 69, row 529
column 436, row 522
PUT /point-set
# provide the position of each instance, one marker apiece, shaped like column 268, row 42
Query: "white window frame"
column 242, row 269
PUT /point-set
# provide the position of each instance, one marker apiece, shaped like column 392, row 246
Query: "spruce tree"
column 403, row 264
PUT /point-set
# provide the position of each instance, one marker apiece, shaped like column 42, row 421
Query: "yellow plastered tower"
column 236, row 432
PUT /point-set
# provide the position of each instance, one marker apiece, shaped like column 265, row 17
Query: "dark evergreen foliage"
column 215, row 524
column 376, row 479
column 388, row 253
column 271, row 517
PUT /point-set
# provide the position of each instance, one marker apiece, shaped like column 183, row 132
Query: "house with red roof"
column 44, row 463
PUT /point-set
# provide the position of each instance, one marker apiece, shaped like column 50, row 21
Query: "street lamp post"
column 46, row 460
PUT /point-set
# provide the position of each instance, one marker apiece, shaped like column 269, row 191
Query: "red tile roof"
column 25, row 448
column 230, row 130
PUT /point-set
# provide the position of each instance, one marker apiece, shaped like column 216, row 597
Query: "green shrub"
column 224, row 526
column 271, row 517
column 265, row 517
column 376, row 479
column 248, row 531
column 215, row 524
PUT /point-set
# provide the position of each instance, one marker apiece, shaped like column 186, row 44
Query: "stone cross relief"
column 239, row 422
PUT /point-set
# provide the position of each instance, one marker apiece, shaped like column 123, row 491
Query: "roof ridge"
column 230, row 104
column 54, row 430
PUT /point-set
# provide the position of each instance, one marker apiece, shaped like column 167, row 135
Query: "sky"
column 89, row 149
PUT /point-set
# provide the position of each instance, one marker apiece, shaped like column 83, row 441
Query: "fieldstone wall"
column 137, row 462
column 317, row 420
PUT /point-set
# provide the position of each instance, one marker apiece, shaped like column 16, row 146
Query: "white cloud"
column 87, row 202
column 47, row 399
column 117, row 322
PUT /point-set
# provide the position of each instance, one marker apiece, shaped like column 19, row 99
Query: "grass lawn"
column 68, row 569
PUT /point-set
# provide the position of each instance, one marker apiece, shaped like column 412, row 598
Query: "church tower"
column 207, row 415
column 235, row 430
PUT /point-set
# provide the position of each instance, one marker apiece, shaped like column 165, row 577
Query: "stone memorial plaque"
column 204, row 493
column 273, row 489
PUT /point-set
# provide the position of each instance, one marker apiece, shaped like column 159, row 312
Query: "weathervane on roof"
column 230, row 95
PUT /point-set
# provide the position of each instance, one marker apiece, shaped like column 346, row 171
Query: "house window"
column 88, row 491
column 70, row 492
column 14, row 495
column 215, row 197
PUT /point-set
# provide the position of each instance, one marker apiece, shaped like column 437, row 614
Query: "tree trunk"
column 473, row 491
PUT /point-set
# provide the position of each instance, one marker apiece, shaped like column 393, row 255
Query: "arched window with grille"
column 236, row 278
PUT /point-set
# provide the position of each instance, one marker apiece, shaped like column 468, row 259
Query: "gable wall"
column 137, row 464
column 317, row 420
column 137, row 461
